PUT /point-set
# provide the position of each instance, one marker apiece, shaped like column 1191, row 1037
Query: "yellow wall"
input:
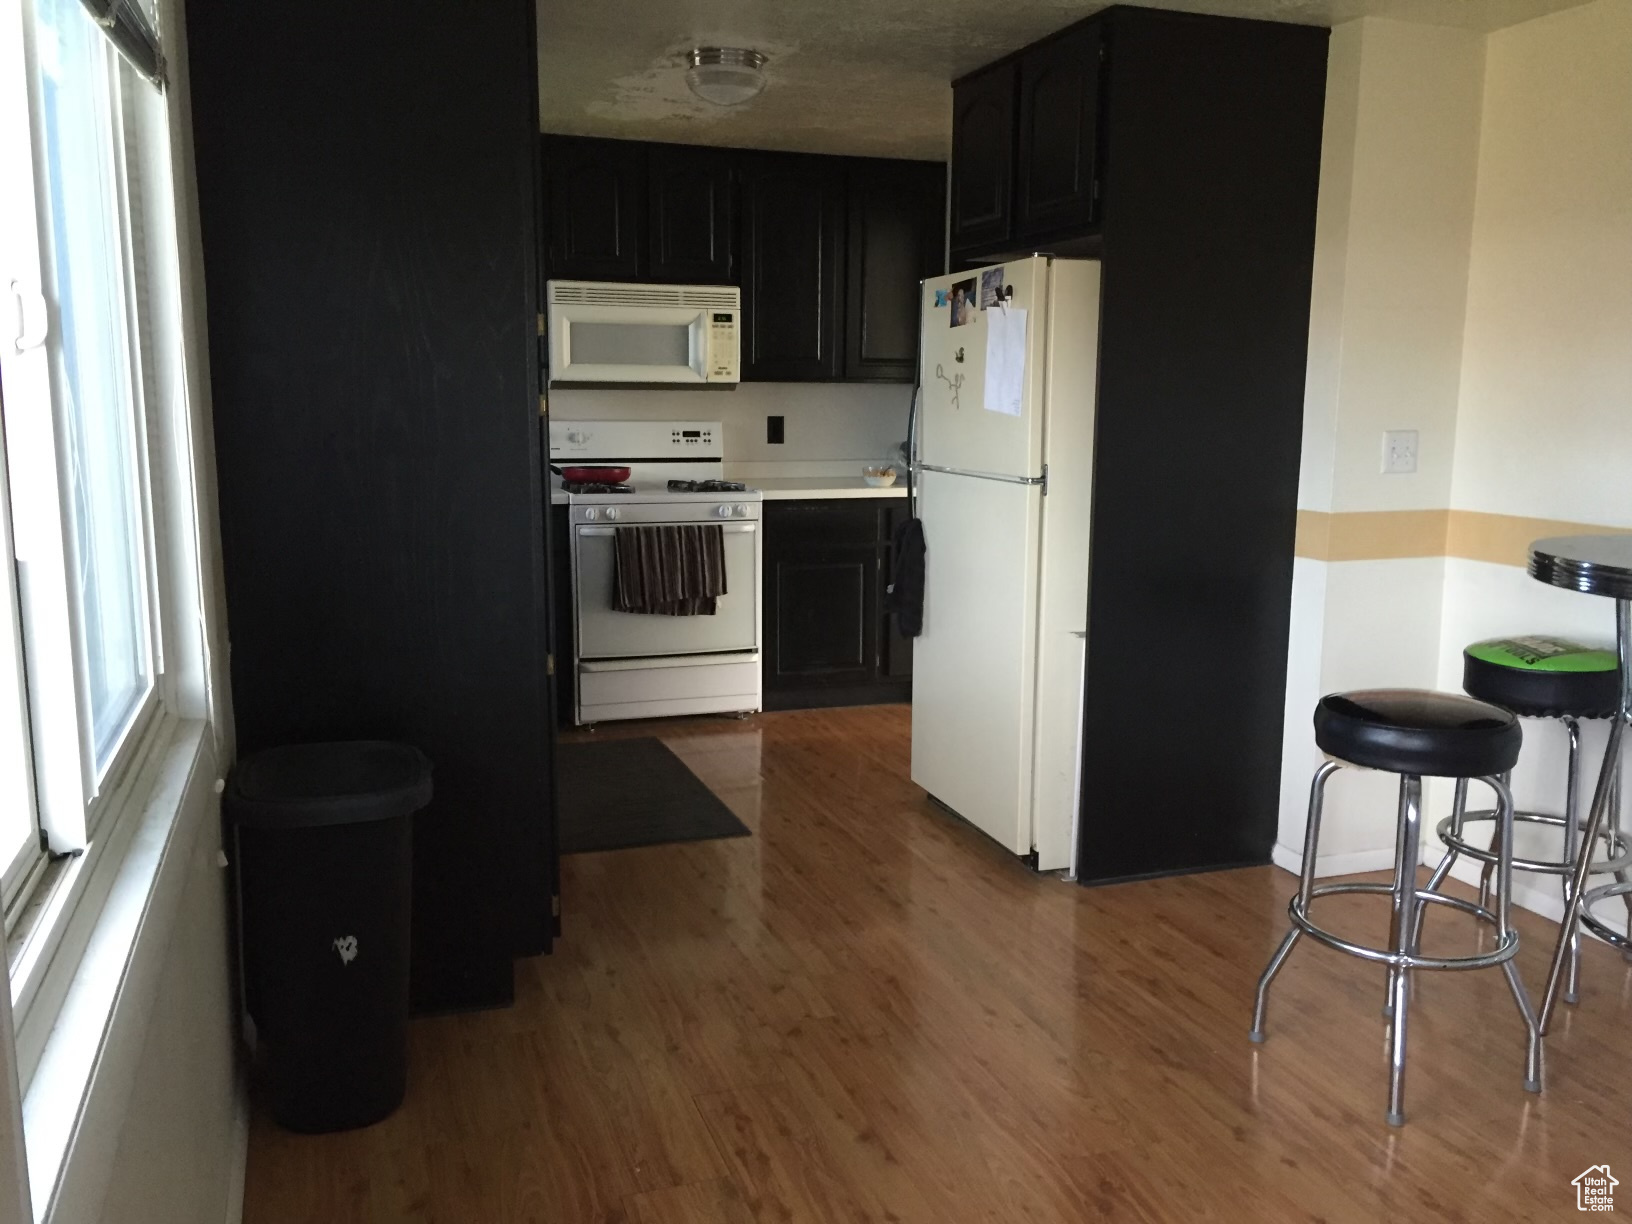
column 1473, row 281
column 1546, row 392
column 1393, row 234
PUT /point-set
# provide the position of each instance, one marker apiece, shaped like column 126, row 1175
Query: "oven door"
column 605, row 633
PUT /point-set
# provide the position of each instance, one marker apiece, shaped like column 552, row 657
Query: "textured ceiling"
column 848, row 76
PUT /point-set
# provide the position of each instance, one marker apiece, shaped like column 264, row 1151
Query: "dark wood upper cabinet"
column 1059, row 133
column 816, row 308
column 596, row 192
column 983, row 108
column 893, row 240
column 691, row 223
column 792, row 235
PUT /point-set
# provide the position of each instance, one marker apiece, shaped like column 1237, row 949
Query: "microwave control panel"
column 724, row 350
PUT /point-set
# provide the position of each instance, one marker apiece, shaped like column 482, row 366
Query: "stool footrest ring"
column 1504, row 950
column 1597, row 925
column 1618, row 845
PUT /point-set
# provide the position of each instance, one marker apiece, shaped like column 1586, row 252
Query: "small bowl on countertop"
column 878, row 477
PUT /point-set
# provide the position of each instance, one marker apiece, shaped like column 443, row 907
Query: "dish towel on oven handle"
column 668, row 571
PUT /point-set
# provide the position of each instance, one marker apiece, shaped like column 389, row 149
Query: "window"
column 19, row 824
column 81, row 661
column 93, row 383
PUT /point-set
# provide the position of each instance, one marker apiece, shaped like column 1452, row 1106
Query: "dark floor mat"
column 619, row 793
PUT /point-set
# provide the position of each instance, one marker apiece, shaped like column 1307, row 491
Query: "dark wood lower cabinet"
column 827, row 639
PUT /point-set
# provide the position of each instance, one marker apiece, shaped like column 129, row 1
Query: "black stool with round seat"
column 1415, row 734
column 1541, row 676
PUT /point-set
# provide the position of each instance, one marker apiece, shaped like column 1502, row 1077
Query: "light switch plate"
column 1399, row 452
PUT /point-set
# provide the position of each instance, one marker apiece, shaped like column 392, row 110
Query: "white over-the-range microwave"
column 603, row 333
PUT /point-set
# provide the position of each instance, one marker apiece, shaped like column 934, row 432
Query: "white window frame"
column 92, row 955
column 21, row 873
column 78, row 807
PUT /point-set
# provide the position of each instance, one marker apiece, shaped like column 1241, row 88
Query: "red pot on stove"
column 594, row 475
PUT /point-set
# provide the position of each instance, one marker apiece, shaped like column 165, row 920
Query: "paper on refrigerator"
column 1005, row 360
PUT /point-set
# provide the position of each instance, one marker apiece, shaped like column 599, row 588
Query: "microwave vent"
column 699, row 297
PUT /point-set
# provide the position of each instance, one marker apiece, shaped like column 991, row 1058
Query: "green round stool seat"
column 1542, row 677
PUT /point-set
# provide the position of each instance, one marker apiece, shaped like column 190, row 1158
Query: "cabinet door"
column 822, row 593
column 793, row 221
column 825, row 626
column 596, row 189
column 690, row 214
column 1059, row 134
column 983, row 156
column 894, row 239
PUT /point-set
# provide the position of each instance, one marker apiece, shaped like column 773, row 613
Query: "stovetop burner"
column 707, row 486
column 594, row 486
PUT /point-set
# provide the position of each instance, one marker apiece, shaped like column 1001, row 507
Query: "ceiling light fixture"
column 725, row 76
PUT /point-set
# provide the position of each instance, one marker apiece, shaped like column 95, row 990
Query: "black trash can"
column 323, row 842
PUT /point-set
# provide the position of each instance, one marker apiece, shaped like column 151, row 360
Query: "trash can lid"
column 308, row 785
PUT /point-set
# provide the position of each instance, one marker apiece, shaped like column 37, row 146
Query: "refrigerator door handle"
column 1006, row 479
column 912, row 446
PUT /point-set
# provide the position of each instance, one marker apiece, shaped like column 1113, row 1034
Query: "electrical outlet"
column 773, row 430
column 1399, row 452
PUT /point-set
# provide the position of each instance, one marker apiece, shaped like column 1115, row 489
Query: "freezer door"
column 960, row 427
column 974, row 667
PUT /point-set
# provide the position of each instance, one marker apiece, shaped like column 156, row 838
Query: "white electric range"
column 638, row 665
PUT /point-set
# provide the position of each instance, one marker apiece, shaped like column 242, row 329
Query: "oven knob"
column 591, row 514
column 724, row 512
column 611, row 512
column 742, row 511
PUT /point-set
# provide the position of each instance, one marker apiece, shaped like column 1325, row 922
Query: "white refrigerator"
column 1002, row 445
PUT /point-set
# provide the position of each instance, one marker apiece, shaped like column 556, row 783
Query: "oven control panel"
column 697, row 510
column 622, row 441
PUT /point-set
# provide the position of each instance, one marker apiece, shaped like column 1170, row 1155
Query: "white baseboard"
column 1352, row 863
column 240, row 1152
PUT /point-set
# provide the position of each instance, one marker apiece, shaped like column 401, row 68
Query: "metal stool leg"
column 1572, row 842
column 1496, row 845
column 1624, row 875
column 1405, row 925
column 1459, row 808
column 1504, row 884
column 1394, row 917
column 1595, row 814
column 1306, row 884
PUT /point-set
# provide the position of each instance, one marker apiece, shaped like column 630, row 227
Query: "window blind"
column 130, row 28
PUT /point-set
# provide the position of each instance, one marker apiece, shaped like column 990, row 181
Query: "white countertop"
column 787, row 488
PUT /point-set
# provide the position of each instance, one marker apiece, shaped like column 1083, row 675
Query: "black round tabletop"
column 1595, row 564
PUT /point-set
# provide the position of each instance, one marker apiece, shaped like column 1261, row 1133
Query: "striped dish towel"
column 669, row 571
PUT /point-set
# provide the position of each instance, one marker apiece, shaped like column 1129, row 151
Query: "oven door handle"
column 743, row 528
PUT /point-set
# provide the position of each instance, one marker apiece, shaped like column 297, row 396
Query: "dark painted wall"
column 368, row 193
column 1212, row 156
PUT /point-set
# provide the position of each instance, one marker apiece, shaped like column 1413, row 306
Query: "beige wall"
column 179, row 1158
column 1473, row 281
column 1393, row 233
column 1544, row 425
column 1546, row 398
column 826, row 424
column 1403, row 129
